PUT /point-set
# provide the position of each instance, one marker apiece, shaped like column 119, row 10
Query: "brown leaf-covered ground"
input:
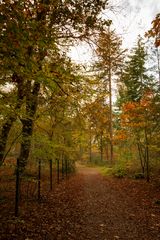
column 87, row 206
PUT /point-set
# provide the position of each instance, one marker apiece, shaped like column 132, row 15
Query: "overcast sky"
column 134, row 18
column 130, row 18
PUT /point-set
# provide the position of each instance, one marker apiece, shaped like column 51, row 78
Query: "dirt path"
column 112, row 213
column 89, row 206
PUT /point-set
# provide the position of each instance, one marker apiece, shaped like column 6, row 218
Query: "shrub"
column 139, row 176
column 119, row 172
column 106, row 171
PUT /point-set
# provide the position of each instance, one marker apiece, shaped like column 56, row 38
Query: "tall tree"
column 32, row 30
column 138, row 103
column 110, row 60
column 134, row 78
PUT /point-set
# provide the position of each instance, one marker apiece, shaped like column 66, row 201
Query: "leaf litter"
column 86, row 206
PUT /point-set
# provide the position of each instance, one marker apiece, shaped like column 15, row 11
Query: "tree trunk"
column 141, row 157
column 110, row 120
column 51, row 173
column 147, row 157
column 27, row 129
column 107, row 152
column 80, row 147
column 12, row 118
column 110, row 104
column 101, row 146
column 90, row 146
column 4, row 136
column 26, row 142
column 147, row 164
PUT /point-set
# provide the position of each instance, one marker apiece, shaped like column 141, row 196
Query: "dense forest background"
column 53, row 108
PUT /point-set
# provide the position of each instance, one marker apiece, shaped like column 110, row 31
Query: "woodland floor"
column 87, row 206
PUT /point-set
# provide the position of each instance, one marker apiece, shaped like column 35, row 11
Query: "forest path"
column 88, row 206
column 111, row 211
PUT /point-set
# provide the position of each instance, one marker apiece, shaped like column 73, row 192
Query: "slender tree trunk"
column 80, row 147
column 62, row 166
column 58, row 170
column 147, row 157
column 90, row 146
column 51, row 173
column 4, row 136
column 27, row 129
column 101, row 146
column 147, row 164
column 80, row 152
column 12, row 118
column 110, row 100
column 17, row 194
column 141, row 157
column 107, row 152
column 110, row 121
column 39, row 180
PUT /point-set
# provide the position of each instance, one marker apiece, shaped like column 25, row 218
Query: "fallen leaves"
column 87, row 206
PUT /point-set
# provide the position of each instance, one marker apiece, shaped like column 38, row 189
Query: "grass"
column 106, row 171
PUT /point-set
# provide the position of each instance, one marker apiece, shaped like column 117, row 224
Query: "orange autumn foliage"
column 120, row 135
column 135, row 114
column 155, row 30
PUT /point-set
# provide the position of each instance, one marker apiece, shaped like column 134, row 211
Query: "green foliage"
column 59, row 111
column 106, row 171
column 42, row 148
column 33, row 59
column 119, row 171
column 71, row 166
column 134, row 75
column 138, row 95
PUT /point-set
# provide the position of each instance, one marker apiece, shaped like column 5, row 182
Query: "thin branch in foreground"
column 12, row 143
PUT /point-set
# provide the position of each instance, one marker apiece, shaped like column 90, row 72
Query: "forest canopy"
column 52, row 107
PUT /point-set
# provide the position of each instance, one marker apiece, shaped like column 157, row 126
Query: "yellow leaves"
column 137, row 124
